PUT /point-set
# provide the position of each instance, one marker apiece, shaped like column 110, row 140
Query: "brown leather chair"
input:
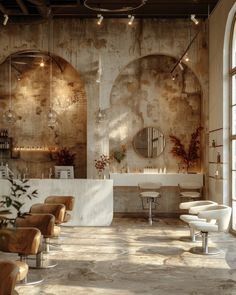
column 68, row 201
column 23, row 241
column 58, row 211
column 45, row 223
column 9, row 274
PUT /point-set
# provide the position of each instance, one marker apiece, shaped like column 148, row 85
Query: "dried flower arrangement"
column 190, row 156
column 101, row 163
column 120, row 153
column 64, row 157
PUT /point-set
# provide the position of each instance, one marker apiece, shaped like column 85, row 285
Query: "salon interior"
column 118, row 147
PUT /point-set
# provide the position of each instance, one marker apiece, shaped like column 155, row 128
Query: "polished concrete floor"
column 131, row 257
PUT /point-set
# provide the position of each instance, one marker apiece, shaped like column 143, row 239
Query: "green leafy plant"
column 20, row 189
column 64, row 157
column 190, row 155
column 119, row 154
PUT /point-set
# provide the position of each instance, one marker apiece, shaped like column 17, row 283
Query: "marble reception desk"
column 126, row 194
column 93, row 198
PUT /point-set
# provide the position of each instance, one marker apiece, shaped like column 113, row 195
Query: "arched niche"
column 34, row 89
column 145, row 95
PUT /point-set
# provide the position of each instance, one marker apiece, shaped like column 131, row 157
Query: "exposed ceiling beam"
column 42, row 7
column 22, row 6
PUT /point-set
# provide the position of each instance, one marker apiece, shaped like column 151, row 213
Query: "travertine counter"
column 93, row 198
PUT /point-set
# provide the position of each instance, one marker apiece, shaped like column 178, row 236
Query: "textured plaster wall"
column 143, row 95
column 34, row 90
column 81, row 42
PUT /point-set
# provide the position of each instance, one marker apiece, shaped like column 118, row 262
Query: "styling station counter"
column 93, row 198
column 126, row 193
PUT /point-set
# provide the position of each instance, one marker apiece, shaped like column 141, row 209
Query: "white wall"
column 219, row 35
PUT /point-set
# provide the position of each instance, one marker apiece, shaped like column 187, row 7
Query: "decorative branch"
column 191, row 155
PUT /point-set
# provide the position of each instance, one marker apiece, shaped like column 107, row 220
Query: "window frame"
column 232, row 75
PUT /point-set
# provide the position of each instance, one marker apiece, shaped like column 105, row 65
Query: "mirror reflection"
column 149, row 142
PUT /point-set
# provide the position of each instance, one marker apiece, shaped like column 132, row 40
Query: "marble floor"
column 131, row 257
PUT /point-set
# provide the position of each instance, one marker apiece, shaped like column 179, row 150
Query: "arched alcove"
column 34, row 90
column 143, row 95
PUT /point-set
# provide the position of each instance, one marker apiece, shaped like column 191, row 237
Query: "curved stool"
column 149, row 192
column 9, row 274
column 194, row 207
column 23, row 241
column 45, row 223
column 190, row 190
column 68, row 201
column 221, row 214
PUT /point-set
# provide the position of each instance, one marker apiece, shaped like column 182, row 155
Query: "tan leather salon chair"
column 24, row 242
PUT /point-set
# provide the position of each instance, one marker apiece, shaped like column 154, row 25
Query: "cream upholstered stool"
column 68, row 201
column 24, row 241
column 45, row 223
column 9, row 273
column 190, row 190
column 193, row 207
column 149, row 194
column 221, row 214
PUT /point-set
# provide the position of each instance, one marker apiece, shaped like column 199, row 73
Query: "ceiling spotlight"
column 193, row 18
column 131, row 19
column 5, row 19
column 100, row 19
column 181, row 66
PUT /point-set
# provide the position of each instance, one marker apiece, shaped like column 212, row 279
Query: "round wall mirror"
column 149, row 142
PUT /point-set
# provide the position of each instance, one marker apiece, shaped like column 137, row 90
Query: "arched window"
column 233, row 119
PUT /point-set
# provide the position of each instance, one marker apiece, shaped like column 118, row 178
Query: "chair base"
column 43, row 264
column 31, row 279
column 189, row 239
column 201, row 251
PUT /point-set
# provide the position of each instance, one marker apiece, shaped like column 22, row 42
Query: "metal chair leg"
column 205, row 249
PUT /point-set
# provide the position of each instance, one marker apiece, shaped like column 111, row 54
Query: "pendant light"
column 101, row 114
column 9, row 117
column 51, row 115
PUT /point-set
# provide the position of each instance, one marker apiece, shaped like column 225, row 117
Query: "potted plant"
column 190, row 155
column 13, row 202
column 100, row 164
column 64, row 163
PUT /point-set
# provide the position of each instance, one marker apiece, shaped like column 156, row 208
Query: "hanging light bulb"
column 51, row 118
column 186, row 58
column 101, row 116
column 131, row 19
column 9, row 117
column 42, row 64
